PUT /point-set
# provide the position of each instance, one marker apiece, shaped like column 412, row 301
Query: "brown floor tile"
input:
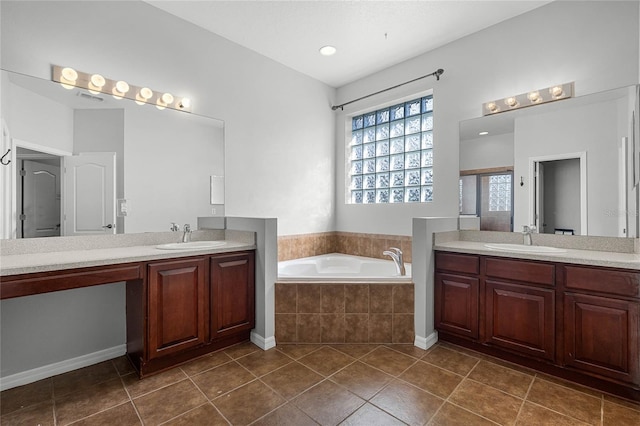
column 634, row 405
column 83, row 378
column 137, row 387
column 123, row 365
column 169, row 402
column 39, row 414
column 89, row 400
column 287, row 415
column 452, row 415
column 355, row 350
column 326, row 360
column 456, row 362
column 566, row 401
column 388, row 360
column 328, row 403
column 486, row 401
column 203, row 415
column 535, row 415
column 361, row 379
column 309, row 328
column 370, row 415
column 24, row 396
column 297, row 351
column 431, row 379
column 248, row 403
column 123, row 414
column 263, row 362
column 241, row 349
column 615, row 414
column 505, row 379
column 407, row 403
column 291, row 380
column 220, row 380
column 408, row 349
column 559, row 381
column 204, row 363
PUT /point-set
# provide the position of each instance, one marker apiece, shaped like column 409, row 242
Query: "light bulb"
column 146, row 93
column 160, row 105
column 69, row 74
column 511, row 102
column 492, row 107
column 185, row 103
column 556, row 91
column 534, row 97
column 167, row 98
column 97, row 80
column 122, row 87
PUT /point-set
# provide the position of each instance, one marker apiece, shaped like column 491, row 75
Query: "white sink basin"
column 192, row 245
column 521, row 248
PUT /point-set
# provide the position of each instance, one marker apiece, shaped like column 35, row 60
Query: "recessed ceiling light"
column 483, row 133
column 327, row 50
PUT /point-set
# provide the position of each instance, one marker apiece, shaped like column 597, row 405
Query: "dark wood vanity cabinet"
column 579, row 322
column 232, row 294
column 188, row 307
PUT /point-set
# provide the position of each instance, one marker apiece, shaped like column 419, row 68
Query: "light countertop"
column 581, row 257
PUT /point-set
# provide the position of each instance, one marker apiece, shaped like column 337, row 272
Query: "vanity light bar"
column 95, row 83
column 535, row 97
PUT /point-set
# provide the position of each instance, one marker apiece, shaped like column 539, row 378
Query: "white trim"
column 426, row 342
column 56, row 368
column 261, row 342
column 582, row 156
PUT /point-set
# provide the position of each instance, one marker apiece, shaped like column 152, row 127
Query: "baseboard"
column 261, row 342
column 30, row 376
column 426, row 342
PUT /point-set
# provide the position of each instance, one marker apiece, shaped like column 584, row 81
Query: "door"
column 456, row 304
column 89, row 194
column 178, row 306
column 539, row 200
column 40, row 200
column 232, row 294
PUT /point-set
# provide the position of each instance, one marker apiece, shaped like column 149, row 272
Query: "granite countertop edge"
column 19, row 264
column 580, row 257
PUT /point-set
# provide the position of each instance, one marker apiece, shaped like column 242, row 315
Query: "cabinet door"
column 601, row 336
column 456, row 304
column 178, row 308
column 521, row 318
column 232, row 294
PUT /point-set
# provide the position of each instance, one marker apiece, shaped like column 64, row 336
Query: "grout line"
column 525, row 398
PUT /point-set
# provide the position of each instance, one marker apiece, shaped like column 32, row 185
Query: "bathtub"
column 337, row 267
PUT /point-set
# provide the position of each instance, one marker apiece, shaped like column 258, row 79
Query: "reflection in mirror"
column 84, row 164
column 572, row 162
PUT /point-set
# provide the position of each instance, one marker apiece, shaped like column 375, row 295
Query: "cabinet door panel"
column 232, row 297
column 521, row 318
column 456, row 304
column 601, row 336
column 177, row 306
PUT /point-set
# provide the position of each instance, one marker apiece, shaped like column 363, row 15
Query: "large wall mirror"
column 70, row 150
column 567, row 167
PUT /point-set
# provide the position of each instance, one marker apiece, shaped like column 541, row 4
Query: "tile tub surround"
column 357, row 244
column 344, row 313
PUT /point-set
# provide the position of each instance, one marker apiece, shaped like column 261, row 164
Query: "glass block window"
column 500, row 193
column 391, row 154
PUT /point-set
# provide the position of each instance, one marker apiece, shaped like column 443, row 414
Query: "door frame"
column 533, row 184
column 15, row 144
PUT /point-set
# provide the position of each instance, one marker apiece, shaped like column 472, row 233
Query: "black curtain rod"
column 437, row 73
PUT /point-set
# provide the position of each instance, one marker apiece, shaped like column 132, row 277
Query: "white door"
column 89, row 194
column 40, row 215
column 539, row 202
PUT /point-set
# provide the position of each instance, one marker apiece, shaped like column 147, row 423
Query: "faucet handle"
column 187, row 227
column 174, row 227
column 397, row 250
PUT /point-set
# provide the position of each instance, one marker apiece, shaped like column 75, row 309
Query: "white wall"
column 595, row 44
column 278, row 124
column 486, row 152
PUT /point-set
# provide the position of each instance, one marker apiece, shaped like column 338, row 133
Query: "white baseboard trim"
column 426, row 342
column 261, row 342
column 30, row 376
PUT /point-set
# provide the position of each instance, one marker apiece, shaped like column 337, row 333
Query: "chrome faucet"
column 526, row 234
column 396, row 255
column 186, row 236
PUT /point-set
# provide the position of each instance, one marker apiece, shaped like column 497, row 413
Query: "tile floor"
column 316, row 384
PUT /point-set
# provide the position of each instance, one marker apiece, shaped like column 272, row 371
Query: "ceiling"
column 369, row 35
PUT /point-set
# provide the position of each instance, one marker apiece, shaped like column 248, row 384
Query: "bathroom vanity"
column 179, row 304
column 575, row 314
